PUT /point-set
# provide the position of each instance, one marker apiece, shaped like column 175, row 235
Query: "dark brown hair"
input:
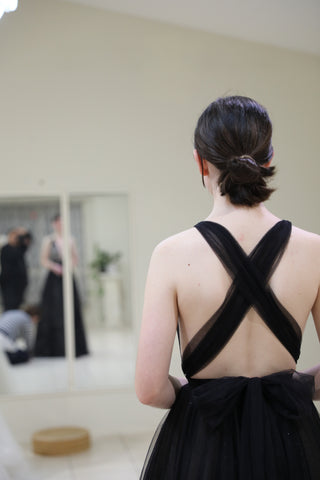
column 33, row 310
column 234, row 134
column 55, row 217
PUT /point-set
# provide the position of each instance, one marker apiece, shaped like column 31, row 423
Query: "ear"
column 202, row 164
column 266, row 165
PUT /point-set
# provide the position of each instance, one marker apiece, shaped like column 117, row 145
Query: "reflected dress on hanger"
column 240, row 428
column 50, row 339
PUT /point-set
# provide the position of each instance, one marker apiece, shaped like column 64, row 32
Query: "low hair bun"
column 243, row 170
column 246, row 159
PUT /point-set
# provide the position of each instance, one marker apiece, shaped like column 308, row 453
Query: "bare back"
column 202, row 283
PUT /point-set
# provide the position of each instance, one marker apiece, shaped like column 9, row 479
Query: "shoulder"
column 305, row 238
column 12, row 315
column 170, row 256
column 168, row 253
column 305, row 244
column 8, row 249
column 48, row 240
column 176, row 244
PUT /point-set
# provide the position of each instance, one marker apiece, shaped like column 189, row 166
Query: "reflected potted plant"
column 103, row 260
column 102, row 264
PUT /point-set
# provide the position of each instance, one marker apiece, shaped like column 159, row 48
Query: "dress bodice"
column 250, row 288
column 54, row 252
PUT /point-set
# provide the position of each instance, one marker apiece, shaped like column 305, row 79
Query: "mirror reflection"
column 100, row 226
column 32, row 333
column 24, row 223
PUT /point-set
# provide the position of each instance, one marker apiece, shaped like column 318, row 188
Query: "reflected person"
column 14, row 278
column 50, row 340
column 17, row 333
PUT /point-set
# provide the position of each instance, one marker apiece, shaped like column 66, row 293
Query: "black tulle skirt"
column 239, row 428
column 50, row 339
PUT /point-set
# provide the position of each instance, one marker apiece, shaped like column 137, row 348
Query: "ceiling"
column 293, row 24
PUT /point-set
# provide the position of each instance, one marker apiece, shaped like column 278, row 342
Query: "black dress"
column 13, row 276
column 50, row 339
column 240, row 428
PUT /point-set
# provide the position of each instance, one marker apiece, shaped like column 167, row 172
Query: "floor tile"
column 49, row 468
column 117, row 457
column 103, row 472
column 106, row 451
column 137, row 446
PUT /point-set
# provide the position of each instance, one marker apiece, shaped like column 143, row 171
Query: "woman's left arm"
column 74, row 253
column 153, row 384
column 315, row 371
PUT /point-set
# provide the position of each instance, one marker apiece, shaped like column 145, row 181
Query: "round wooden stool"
column 60, row 441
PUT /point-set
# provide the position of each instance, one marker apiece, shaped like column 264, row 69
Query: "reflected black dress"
column 240, row 428
column 50, row 339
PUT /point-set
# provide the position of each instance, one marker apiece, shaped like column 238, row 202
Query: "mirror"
column 32, row 214
column 100, row 227
column 99, row 261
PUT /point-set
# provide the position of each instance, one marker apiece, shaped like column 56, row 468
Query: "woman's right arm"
column 154, row 386
column 45, row 258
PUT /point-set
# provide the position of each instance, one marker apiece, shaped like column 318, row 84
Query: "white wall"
column 95, row 101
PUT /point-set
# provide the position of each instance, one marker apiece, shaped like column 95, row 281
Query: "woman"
column 50, row 341
column 239, row 287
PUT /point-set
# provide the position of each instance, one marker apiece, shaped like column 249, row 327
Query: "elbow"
column 44, row 263
column 316, row 395
column 147, row 393
column 145, row 398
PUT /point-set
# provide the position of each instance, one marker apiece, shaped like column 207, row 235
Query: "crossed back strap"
column 249, row 288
